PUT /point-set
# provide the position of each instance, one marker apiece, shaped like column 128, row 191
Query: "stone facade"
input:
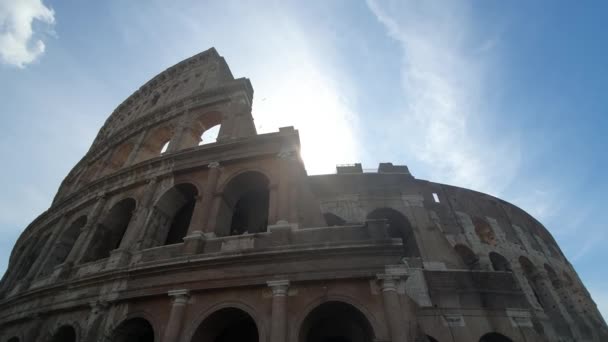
column 232, row 240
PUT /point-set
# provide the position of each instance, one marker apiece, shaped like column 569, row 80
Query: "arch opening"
column 484, row 231
column 65, row 244
column 205, row 128
column 499, row 262
column 13, row 339
column 110, row 231
column 156, row 143
column 494, row 337
column 172, row 214
column 210, row 135
column 544, row 296
column 30, row 255
column 555, row 282
column 244, row 205
column 65, row 333
column 227, row 325
column 336, row 322
column 398, row 227
column 165, row 147
column 470, row 259
column 133, row 330
column 120, row 156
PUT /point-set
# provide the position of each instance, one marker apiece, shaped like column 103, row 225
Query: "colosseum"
column 160, row 235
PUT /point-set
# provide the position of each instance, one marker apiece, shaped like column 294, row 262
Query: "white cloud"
column 19, row 44
column 444, row 82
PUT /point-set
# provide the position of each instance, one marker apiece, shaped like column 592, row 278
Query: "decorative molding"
column 278, row 287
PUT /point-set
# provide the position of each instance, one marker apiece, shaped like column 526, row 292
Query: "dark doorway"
column 398, row 227
column 133, row 330
column 64, row 334
column 494, row 337
column 244, row 206
column 336, row 322
column 110, row 231
column 227, row 325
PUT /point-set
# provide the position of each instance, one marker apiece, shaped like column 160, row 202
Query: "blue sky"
column 502, row 97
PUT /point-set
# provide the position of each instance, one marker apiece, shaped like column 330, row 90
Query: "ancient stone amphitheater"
column 156, row 235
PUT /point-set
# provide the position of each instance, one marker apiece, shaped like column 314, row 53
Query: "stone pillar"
column 137, row 231
column 392, row 307
column 94, row 321
column 273, row 202
column 49, row 247
column 178, row 307
column 200, row 218
column 285, row 212
column 178, row 135
column 86, row 233
column 33, row 330
column 278, row 323
column 194, row 241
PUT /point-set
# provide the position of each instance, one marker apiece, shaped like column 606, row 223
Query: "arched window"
column 499, row 262
column 165, row 147
column 544, row 297
column 484, row 231
column 134, row 329
column 156, row 142
column 227, row 325
column 333, row 220
column 120, row 156
column 64, row 246
column 336, row 322
column 206, row 128
column 244, row 206
column 110, row 231
column 555, row 282
column 470, row 259
column 30, row 255
column 494, row 337
column 399, row 227
column 65, row 333
column 171, row 215
column 210, row 135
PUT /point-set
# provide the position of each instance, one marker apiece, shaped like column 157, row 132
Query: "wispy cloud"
column 19, row 44
column 443, row 81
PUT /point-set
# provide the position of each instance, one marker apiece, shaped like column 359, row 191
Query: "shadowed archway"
column 133, row 330
column 227, row 325
column 398, row 227
column 336, row 321
column 65, row 333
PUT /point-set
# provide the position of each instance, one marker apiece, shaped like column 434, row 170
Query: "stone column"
column 86, row 233
column 392, row 307
column 49, row 247
column 137, row 230
column 178, row 307
column 199, row 224
column 285, row 212
column 33, row 330
column 95, row 320
column 136, row 148
column 178, row 135
column 202, row 221
column 278, row 324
